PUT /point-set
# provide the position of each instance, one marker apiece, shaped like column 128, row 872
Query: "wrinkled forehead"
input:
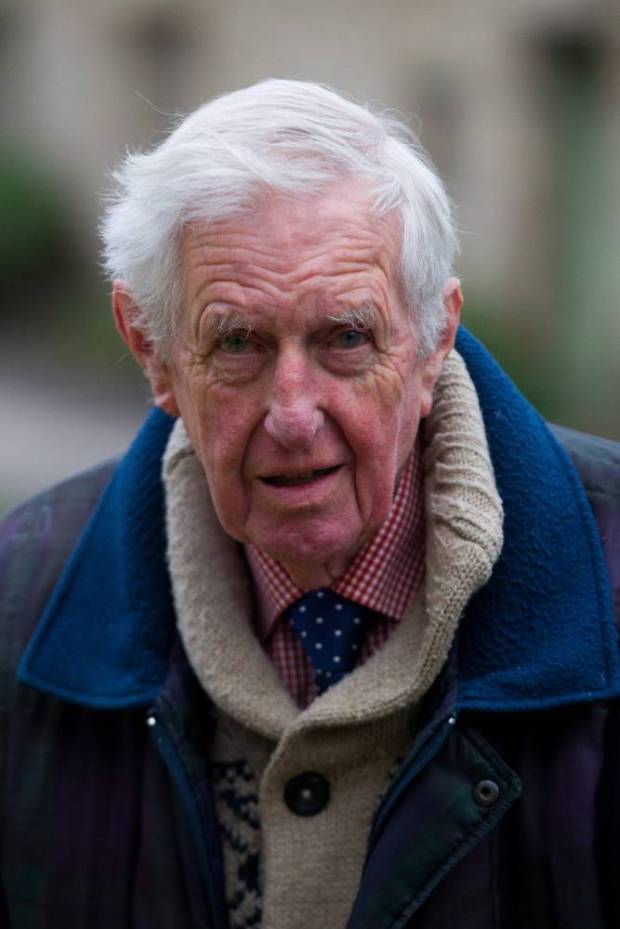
column 286, row 228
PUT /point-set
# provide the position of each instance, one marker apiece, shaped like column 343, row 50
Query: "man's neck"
column 382, row 575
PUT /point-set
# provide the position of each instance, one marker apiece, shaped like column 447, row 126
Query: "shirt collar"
column 383, row 575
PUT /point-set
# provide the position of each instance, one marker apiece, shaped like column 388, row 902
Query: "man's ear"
column 433, row 363
column 126, row 314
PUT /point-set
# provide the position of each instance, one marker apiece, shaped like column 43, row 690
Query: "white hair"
column 275, row 136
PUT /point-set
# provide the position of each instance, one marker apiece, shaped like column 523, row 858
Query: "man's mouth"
column 298, row 478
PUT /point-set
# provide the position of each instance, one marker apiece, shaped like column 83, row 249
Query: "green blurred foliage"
column 33, row 241
column 77, row 332
column 52, row 303
column 539, row 357
column 521, row 348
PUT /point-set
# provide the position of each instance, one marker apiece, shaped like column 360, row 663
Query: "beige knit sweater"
column 304, row 871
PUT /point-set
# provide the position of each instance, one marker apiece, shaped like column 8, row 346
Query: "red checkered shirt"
column 383, row 576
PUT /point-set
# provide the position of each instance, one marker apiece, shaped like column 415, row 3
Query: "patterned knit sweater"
column 284, row 870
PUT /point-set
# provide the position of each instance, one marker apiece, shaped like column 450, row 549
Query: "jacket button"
column 486, row 793
column 307, row 794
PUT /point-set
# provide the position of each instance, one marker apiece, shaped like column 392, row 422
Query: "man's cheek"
column 391, row 376
column 223, row 453
column 226, row 426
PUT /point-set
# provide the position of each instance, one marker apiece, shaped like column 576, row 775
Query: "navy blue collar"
column 105, row 635
column 541, row 632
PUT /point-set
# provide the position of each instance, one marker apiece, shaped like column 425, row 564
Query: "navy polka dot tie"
column 331, row 630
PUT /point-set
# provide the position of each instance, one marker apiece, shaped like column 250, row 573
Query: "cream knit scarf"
column 356, row 730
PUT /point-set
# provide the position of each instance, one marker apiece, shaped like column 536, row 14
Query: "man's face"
column 295, row 371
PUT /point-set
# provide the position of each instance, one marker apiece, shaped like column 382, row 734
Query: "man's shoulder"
column 36, row 540
column 60, row 508
column 597, row 461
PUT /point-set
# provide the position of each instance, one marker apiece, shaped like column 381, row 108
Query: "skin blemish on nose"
column 294, row 428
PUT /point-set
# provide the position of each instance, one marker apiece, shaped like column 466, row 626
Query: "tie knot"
column 331, row 630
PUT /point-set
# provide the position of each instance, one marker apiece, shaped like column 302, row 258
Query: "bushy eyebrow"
column 358, row 317
column 223, row 322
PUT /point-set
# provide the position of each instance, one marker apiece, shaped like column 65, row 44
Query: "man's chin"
column 309, row 563
column 309, row 576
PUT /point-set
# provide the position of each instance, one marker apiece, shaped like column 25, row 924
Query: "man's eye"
column 351, row 338
column 235, row 344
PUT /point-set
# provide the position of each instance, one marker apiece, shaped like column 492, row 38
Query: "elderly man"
column 333, row 645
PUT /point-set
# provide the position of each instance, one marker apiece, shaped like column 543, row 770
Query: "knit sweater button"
column 307, row 794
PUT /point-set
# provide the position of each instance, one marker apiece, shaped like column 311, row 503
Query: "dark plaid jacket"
column 504, row 815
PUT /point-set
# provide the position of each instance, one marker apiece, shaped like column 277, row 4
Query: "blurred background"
column 518, row 104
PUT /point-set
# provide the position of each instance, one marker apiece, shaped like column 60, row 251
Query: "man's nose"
column 294, row 418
